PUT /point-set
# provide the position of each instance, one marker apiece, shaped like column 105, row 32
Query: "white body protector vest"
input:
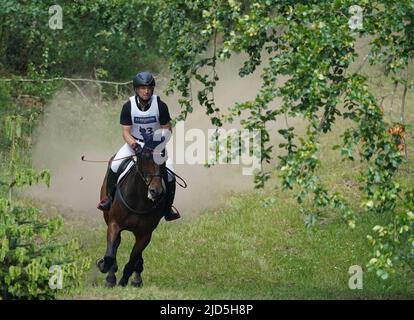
column 148, row 120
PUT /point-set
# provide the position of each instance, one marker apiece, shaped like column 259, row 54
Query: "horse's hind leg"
column 113, row 239
column 139, row 267
column 135, row 257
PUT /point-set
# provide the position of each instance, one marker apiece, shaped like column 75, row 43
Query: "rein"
column 142, row 175
column 183, row 183
column 121, row 198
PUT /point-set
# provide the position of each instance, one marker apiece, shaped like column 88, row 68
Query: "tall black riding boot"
column 170, row 214
column 105, row 204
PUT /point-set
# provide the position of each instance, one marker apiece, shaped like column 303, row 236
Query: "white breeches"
column 127, row 151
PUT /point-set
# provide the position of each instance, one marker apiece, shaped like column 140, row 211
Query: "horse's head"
column 151, row 171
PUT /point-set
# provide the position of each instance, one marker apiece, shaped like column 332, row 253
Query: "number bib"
column 148, row 120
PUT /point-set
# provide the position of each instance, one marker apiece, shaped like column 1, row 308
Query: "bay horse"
column 138, row 206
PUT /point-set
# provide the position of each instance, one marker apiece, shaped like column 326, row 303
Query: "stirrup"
column 172, row 215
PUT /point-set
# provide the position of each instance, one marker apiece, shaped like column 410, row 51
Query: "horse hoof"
column 110, row 281
column 136, row 281
column 122, row 283
column 136, row 284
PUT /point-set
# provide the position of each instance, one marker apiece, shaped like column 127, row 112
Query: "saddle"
column 123, row 169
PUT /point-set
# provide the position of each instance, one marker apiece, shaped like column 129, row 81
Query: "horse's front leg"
column 113, row 239
column 111, row 277
column 135, row 258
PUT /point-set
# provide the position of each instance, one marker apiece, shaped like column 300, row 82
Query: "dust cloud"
column 73, row 127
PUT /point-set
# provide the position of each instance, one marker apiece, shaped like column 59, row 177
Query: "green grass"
column 249, row 250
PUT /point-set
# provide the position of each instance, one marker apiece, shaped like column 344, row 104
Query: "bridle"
column 143, row 176
column 140, row 172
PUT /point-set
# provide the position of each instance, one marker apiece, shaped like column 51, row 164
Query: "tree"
column 312, row 44
column 33, row 264
column 99, row 38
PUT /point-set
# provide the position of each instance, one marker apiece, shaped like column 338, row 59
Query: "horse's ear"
column 137, row 149
column 144, row 134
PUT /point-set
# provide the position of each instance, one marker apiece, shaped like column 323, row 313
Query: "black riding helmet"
column 143, row 79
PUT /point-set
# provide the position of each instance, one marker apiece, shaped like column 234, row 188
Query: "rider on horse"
column 144, row 111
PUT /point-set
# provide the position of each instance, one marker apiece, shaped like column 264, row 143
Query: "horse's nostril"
column 154, row 193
